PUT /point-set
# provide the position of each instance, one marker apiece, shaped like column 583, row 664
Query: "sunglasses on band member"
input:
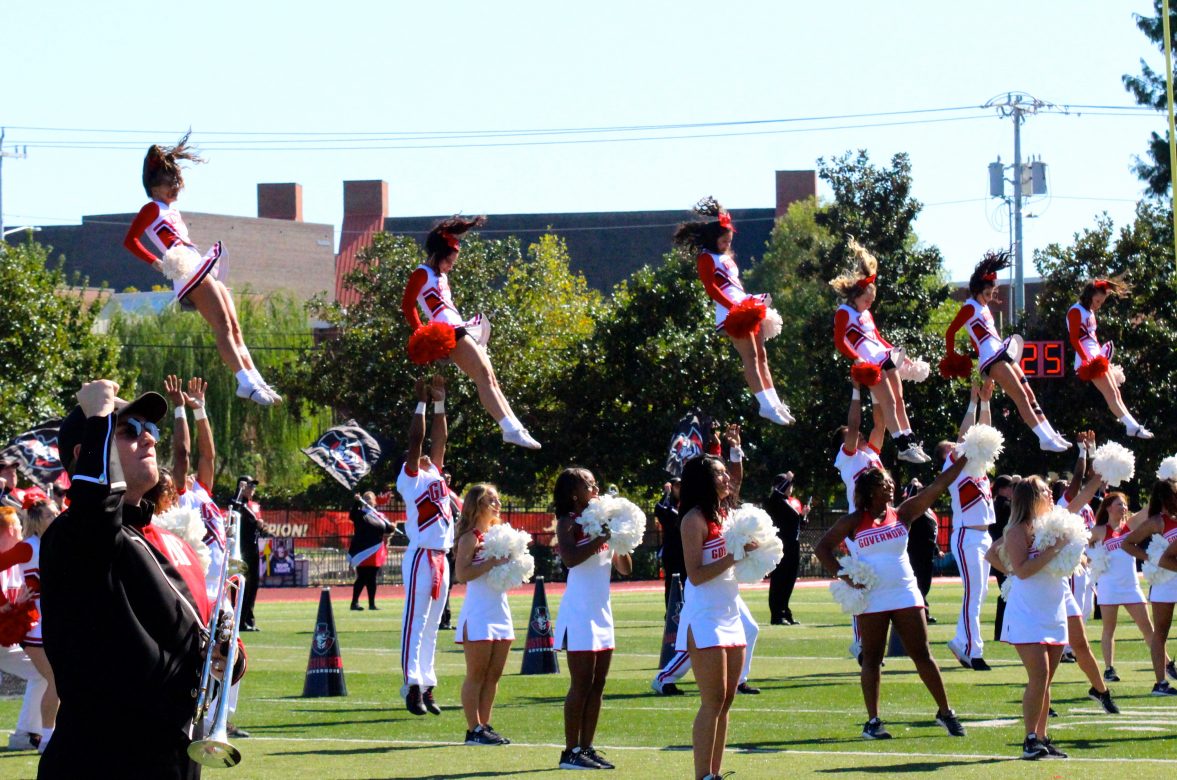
column 133, row 428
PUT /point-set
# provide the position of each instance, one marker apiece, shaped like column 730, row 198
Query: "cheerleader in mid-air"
column 999, row 359
column 447, row 335
column 1092, row 358
column 195, row 279
column 876, row 363
column 738, row 314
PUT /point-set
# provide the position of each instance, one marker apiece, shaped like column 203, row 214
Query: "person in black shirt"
column 789, row 516
column 1003, row 491
column 253, row 530
column 666, row 512
column 922, row 546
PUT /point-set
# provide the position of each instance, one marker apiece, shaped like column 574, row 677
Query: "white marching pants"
column 969, row 547
column 680, row 663
column 15, row 661
column 427, row 580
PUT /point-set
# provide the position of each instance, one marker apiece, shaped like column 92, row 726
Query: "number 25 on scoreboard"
column 1044, row 359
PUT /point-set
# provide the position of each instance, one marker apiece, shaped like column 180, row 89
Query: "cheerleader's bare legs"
column 717, row 671
column 1041, row 662
column 474, row 363
column 484, row 668
column 759, row 378
column 1011, row 379
column 913, row 630
column 582, row 704
column 1111, row 394
column 1109, row 615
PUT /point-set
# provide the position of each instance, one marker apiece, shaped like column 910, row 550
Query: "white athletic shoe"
column 23, row 740
column 914, row 454
column 855, row 649
column 521, row 437
column 958, row 652
column 1140, row 433
column 271, row 392
column 776, row 414
column 256, row 394
column 1059, row 438
column 1054, row 445
column 783, row 408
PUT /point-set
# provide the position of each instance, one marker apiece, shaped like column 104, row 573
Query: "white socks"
column 245, row 378
column 1044, row 432
column 768, row 398
column 510, row 423
column 1129, row 422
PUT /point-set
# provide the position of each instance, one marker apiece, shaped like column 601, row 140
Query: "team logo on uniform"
column 540, row 622
column 347, row 452
column 323, row 639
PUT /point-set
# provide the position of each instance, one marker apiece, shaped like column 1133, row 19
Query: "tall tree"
column 1148, row 88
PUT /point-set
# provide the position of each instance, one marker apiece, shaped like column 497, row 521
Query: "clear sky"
column 365, row 74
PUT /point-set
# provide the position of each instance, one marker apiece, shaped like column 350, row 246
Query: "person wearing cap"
column 253, row 530
column 666, row 513
column 789, row 516
column 128, row 601
column 10, row 492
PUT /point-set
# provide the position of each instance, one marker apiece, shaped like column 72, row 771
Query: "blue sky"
column 386, row 68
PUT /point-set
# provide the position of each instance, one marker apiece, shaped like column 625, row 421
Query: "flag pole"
column 1172, row 124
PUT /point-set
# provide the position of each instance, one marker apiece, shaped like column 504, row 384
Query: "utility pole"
column 1017, row 105
column 19, row 154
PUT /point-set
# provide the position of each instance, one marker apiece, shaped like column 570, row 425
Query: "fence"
column 321, row 538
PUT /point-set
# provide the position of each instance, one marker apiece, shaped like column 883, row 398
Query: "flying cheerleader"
column 447, row 335
column 746, row 319
column 999, row 359
column 877, row 365
column 195, row 278
column 1092, row 359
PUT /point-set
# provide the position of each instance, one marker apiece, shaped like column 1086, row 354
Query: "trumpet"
column 215, row 750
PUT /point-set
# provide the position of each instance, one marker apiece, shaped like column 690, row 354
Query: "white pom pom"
column 1153, row 573
column 503, row 541
column 1115, row 463
column 772, row 324
column 592, row 519
column 982, row 445
column 1168, row 468
column 752, row 524
column 625, row 521
column 1116, row 374
column 1058, row 524
column 1006, row 586
column 180, row 262
column 914, row 370
column 1098, row 562
column 187, row 524
column 853, row 601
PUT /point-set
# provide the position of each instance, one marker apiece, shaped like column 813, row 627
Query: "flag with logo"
column 688, row 441
column 346, row 452
column 36, row 453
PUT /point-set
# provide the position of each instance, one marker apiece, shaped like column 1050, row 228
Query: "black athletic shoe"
column 979, row 665
column 881, row 663
column 356, row 608
column 874, row 729
column 1052, row 713
column 1051, row 750
column 373, row 607
column 747, row 689
column 1032, row 749
column 592, row 753
column 491, row 729
column 233, row 730
column 414, row 702
column 932, row 621
column 576, row 759
column 1067, row 658
column 428, row 701
column 950, row 723
column 1163, row 689
column 1105, row 700
column 1109, row 675
column 1171, row 670
column 483, row 736
column 780, row 621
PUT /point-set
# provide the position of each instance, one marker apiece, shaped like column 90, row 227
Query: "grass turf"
column 806, row 722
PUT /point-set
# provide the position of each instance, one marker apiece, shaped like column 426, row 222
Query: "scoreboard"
column 1044, row 359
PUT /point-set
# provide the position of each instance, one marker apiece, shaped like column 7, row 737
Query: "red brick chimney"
column 792, row 186
column 280, row 201
column 365, row 206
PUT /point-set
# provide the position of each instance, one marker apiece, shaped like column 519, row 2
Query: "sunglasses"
column 133, row 428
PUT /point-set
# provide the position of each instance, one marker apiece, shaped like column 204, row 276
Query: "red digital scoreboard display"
column 1044, row 359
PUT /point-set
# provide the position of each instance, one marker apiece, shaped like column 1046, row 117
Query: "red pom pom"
column 866, row 374
column 1093, row 369
column 743, row 319
column 955, row 365
column 432, row 342
column 16, row 622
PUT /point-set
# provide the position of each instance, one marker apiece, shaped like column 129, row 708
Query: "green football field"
column 806, row 722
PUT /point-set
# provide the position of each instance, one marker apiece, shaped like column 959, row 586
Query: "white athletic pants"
column 969, row 547
column 680, row 663
column 426, row 572
column 14, row 661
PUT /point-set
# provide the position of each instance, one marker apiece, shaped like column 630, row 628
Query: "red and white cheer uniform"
column 485, row 614
column 972, row 514
column 165, row 228
column 710, row 611
column 585, row 620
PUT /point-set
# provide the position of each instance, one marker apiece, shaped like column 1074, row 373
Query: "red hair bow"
column 450, row 240
column 1101, row 284
column 33, row 496
column 990, row 277
column 725, row 222
column 866, row 281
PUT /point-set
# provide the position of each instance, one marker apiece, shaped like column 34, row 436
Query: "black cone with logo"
column 895, row 648
column 673, row 609
column 539, row 654
column 325, row 666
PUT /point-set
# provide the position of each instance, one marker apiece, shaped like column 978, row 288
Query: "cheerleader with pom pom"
column 584, row 622
column 876, row 363
column 748, row 320
column 1141, row 544
column 447, row 336
column 999, row 359
column 1092, row 359
column 195, row 279
column 484, row 624
column 18, row 618
column 876, row 533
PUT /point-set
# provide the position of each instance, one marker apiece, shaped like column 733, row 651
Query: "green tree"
column 47, row 344
column 249, row 438
column 1148, row 89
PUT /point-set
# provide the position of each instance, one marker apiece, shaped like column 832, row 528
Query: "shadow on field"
column 914, row 766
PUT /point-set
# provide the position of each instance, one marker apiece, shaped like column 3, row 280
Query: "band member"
column 369, row 547
column 737, row 313
column 875, row 362
column 447, row 335
column 194, row 278
column 998, row 358
column 1091, row 357
column 429, row 524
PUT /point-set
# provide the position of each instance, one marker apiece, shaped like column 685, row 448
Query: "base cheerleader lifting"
column 876, row 363
column 449, row 337
column 998, row 358
column 743, row 317
column 1092, row 359
column 195, row 279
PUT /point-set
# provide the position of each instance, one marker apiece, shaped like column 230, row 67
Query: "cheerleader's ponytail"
column 985, row 273
column 445, row 235
column 161, row 164
column 702, row 235
column 854, row 283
